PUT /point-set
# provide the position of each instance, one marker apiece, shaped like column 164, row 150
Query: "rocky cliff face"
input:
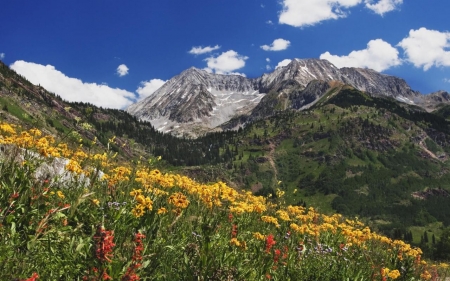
column 196, row 101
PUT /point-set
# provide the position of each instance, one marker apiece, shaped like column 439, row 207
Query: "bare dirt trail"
column 270, row 158
column 432, row 155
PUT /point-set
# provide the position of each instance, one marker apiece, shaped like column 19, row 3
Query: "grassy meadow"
column 69, row 213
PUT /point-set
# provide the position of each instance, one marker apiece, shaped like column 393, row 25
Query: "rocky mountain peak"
column 301, row 70
column 197, row 98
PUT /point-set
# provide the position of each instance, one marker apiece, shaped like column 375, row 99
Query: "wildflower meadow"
column 69, row 213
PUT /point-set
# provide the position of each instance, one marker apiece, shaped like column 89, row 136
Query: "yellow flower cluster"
column 271, row 220
column 119, row 174
column 237, row 243
column 143, row 203
column 7, row 128
column 179, row 200
column 259, row 236
column 392, row 274
column 74, row 167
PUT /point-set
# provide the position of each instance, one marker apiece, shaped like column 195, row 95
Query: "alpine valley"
column 346, row 140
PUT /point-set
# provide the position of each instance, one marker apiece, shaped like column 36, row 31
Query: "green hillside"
column 357, row 155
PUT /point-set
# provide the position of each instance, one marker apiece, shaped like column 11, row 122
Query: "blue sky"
column 112, row 53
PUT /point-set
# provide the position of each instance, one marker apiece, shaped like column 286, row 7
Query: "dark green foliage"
column 442, row 251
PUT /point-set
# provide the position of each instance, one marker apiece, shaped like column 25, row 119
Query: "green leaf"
column 13, row 228
column 79, row 247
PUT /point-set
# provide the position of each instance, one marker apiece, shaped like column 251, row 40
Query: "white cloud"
column 269, row 22
column 2, row 56
column 73, row 89
column 149, row 87
column 277, row 45
column 283, row 63
column 446, row 80
column 122, row 70
column 203, row 50
column 226, row 63
column 426, row 48
column 267, row 59
column 379, row 55
column 383, row 6
column 301, row 13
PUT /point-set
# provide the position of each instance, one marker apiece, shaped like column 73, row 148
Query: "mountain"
column 196, row 101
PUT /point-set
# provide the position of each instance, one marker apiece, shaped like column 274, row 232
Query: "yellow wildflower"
column 179, row 200
column 138, row 211
column 7, row 128
column 136, row 192
column 271, row 220
column 425, row 275
column 96, row 202
column 60, row 194
column 148, row 203
column 235, row 241
column 259, row 236
column 35, row 132
column 394, row 274
column 161, row 211
column 74, row 166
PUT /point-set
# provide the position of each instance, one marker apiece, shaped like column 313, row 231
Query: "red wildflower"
column 33, row 277
column 130, row 275
column 105, row 276
column 14, row 195
column 276, row 255
column 104, row 244
column 234, row 231
column 230, row 217
column 269, row 242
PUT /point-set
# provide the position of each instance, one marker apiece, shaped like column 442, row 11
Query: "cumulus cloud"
column 269, row 22
column 277, row 45
column 301, row 13
column 2, row 56
column 122, row 70
column 226, row 63
column 383, row 6
column 379, row 55
column 426, row 48
column 283, row 63
column 203, row 50
column 149, row 87
column 73, row 89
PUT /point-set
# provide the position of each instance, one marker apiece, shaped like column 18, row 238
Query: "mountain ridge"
column 215, row 99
